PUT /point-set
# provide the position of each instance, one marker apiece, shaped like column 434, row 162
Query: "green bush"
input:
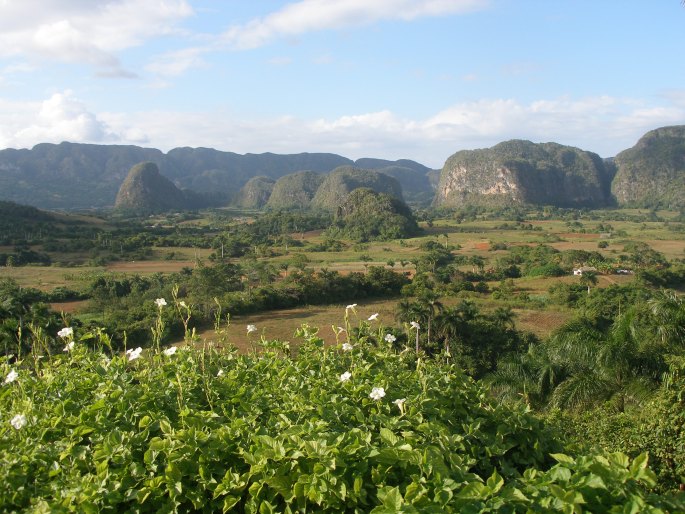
column 209, row 431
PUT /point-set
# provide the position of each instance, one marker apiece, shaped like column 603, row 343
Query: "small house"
column 584, row 269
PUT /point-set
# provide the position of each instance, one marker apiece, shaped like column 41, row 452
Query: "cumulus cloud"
column 62, row 117
column 85, row 31
column 314, row 15
column 605, row 125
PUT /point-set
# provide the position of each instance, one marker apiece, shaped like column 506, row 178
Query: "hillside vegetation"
column 338, row 184
column 255, row 193
column 79, row 176
column 295, row 191
column 652, row 173
column 366, row 215
column 146, row 191
column 521, row 172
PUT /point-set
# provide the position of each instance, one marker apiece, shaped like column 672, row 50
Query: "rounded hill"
column 367, row 215
column 146, row 190
column 652, row 173
column 343, row 180
column 255, row 193
column 295, row 191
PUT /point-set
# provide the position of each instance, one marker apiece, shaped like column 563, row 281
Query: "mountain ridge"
column 83, row 176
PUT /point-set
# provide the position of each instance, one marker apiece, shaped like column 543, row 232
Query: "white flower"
column 161, row 302
column 390, row 338
column 69, row 347
column 351, row 306
column 373, row 317
column 251, row 328
column 346, row 347
column 345, row 376
column 66, row 332
column 134, row 354
column 400, row 402
column 415, row 324
column 170, row 351
column 18, row 421
column 377, row 393
column 220, row 373
column 11, row 377
column 338, row 330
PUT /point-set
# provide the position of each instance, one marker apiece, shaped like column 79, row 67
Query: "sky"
column 391, row 79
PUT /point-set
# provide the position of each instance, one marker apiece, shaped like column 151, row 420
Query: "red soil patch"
column 481, row 246
column 68, row 307
column 150, row 266
column 577, row 235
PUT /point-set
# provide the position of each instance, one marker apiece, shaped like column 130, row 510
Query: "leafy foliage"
column 198, row 430
column 366, row 215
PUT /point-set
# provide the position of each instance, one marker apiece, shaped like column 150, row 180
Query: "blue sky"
column 416, row 79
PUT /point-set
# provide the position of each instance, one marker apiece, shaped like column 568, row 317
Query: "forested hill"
column 77, row 176
column 72, row 176
column 652, row 173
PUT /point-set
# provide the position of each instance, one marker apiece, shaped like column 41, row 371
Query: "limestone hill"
column 523, row 172
column 343, row 180
column 255, row 193
column 367, row 215
column 295, row 191
column 145, row 190
column 652, row 173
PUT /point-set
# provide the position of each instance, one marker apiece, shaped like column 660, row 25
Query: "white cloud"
column 315, row 15
column 176, row 63
column 62, row 117
column 85, row 31
column 603, row 124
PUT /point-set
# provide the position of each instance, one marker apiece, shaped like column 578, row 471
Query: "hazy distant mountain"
column 73, row 176
column 652, row 173
column 414, row 178
column 206, row 169
column 523, row 172
column 338, row 184
column 77, row 176
column 69, row 175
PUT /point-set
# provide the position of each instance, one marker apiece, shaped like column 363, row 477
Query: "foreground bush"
column 352, row 428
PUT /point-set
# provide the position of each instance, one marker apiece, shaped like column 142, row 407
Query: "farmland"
column 208, row 302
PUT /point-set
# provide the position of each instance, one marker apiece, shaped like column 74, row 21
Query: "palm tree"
column 588, row 278
column 504, row 317
column 449, row 325
column 668, row 310
column 430, row 307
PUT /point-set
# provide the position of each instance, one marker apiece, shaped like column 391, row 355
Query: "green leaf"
column 619, row 459
column 495, row 482
column 474, row 490
column 563, row 458
column 144, row 421
column 639, row 464
column 230, row 502
column 388, row 436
